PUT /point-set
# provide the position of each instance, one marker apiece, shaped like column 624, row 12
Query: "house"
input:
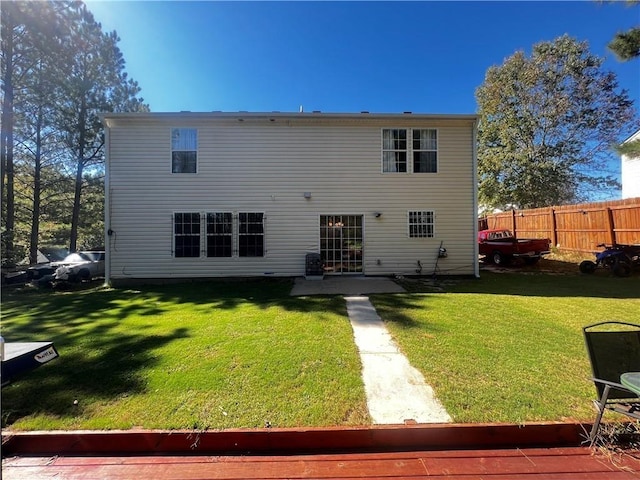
column 218, row 194
column 630, row 171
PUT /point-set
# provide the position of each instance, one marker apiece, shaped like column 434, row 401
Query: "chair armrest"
column 607, row 382
column 615, row 385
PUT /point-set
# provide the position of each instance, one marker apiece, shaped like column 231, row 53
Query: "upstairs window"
column 421, row 224
column 425, row 151
column 184, row 150
column 186, row 234
column 400, row 144
column 251, row 234
column 394, row 150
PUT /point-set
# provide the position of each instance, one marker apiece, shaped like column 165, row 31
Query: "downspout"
column 476, row 252
column 107, row 205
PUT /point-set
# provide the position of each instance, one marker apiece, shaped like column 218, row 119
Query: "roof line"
column 315, row 114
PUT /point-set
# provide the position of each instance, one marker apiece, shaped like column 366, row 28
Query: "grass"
column 509, row 347
column 196, row 356
column 214, row 355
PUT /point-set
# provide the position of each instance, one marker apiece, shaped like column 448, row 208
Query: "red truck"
column 500, row 246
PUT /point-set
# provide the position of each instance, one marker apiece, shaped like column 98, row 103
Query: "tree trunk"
column 37, row 188
column 6, row 139
column 75, row 216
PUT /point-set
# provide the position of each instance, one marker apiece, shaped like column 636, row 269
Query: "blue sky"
column 424, row 57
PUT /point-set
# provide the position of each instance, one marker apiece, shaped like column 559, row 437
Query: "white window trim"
column 410, row 150
column 436, row 150
column 422, row 210
column 382, row 150
column 171, row 150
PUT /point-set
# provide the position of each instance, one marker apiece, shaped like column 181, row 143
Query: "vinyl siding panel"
column 266, row 167
column 630, row 177
column 630, row 171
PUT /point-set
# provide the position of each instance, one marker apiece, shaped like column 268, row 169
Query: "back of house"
column 198, row 195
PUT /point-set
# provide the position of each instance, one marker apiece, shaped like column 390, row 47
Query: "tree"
column 547, row 122
column 59, row 70
column 96, row 83
column 11, row 30
column 626, row 45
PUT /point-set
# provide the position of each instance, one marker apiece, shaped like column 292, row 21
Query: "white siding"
column 630, row 172
column 630, row 177
column 263, row 166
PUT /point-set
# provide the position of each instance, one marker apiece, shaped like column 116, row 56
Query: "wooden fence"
column 579, row 228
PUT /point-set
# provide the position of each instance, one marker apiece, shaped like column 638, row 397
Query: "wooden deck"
column 454, row 452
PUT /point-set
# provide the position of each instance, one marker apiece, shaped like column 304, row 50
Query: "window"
column 184, row 150
column 251, row 234
column 394, row 150
column 397, row 148
column 219, row 234
column 421, row 224
column 224, row 234
column 425, row 151
column 186, row 234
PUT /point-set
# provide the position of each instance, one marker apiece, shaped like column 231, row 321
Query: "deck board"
column 578, row 463
column 454, row 452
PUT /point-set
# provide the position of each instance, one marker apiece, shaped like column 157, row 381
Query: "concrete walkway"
column 396, row 392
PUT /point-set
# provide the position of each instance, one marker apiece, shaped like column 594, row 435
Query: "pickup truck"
column 499, row 246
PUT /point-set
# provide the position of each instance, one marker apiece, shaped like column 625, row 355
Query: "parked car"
column 41, row 272
column 48, row 259
column 500, row 246
column 80, row 266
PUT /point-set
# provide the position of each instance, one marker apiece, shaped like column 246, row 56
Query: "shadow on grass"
column 532, row 283
column 109, row 372
column 102, row 361
column 392, row 307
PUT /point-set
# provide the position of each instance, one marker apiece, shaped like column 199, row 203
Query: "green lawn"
column 197, row 356
column 213, row 355
column 509, row 347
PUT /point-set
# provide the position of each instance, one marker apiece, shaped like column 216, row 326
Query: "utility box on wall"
column 314, row 270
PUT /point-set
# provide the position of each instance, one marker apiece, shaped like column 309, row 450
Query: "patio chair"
column 614, row 349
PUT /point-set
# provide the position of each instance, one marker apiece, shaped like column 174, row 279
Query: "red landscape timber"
column 295, row 440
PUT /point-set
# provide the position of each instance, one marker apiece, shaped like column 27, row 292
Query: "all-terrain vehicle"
column 621, row 259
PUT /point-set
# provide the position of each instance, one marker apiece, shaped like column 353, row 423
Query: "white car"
column 80, row 266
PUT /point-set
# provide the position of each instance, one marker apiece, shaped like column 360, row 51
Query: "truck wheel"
column 531, row 260
column 587, row 266
column 499, row 258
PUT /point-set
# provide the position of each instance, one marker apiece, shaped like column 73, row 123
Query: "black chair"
column 614, row 349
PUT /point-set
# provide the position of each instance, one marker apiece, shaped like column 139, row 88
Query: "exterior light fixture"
column 377, row 214
column 307, row 195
